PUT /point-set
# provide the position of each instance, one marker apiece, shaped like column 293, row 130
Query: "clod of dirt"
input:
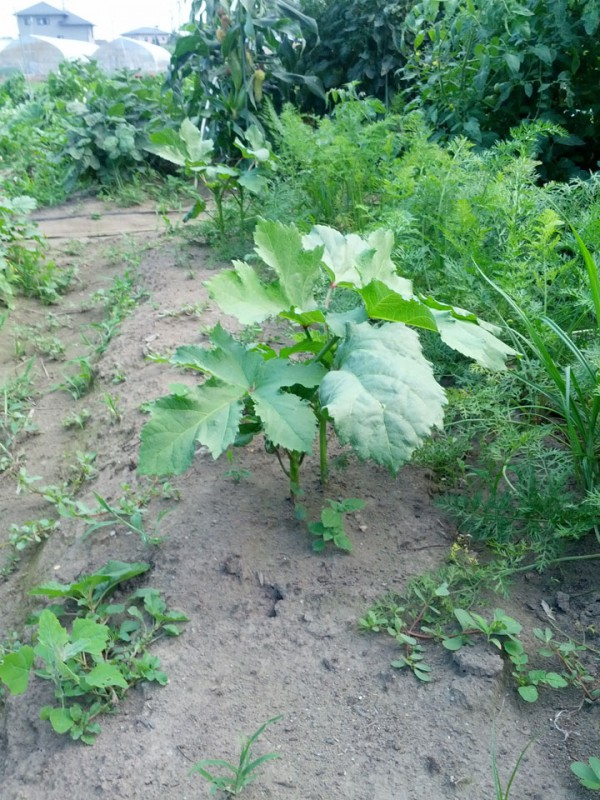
column 478, row 660
column 233, row 566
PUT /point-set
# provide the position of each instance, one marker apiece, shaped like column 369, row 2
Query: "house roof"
column 40, row 9
column 73, row 19
column 146, row 32
column 46, row 10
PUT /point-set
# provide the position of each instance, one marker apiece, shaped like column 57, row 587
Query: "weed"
column 81, row 382
column 112, row 403
column 331, row 528
column 16, row 417
column 82, row 471
column 128, row 512
column 240, row 774
column 235, row 473
column 77, row 419
column 99, row 654
column 32, row 532
column 504, row 794
column 588, row 774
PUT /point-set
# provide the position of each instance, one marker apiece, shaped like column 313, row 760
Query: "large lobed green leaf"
column 382, row 396
column 280, row 246
column 210, row 414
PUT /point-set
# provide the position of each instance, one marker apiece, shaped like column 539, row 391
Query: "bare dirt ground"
column 273, row 626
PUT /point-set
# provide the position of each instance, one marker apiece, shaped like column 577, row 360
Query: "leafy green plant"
column 189, row 149
column 95, row 659
column 235, row 53
column 333, row 372
column 15, row 420
column 128, row 512
column 477, row 69
column 23, row 265
column 76, row 419
column 588, row 774
column 572, row 392
column 79, row 383
column 31, row 532
column 331, row 528
column 238, row 775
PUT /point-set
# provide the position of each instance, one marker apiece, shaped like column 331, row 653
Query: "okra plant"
column 361, row 371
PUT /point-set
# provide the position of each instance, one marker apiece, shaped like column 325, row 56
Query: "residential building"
column 43, row 19
column 150, row 35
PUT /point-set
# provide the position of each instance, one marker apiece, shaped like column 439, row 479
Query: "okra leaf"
column 382, row 395
column 211, row 415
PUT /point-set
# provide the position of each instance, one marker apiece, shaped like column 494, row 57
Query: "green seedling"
column 238, row 775
column 99, row 653
column 235, row 473
column 331, row 526
column 81, row 382
column 588, row 774
column 76, row 419
column 114, row 410
column 33, row 532
column 500, row 793
column 82, row 471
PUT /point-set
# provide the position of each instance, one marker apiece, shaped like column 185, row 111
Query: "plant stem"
column 295, row 462
column 323, row 467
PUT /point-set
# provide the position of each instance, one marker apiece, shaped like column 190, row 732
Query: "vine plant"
column 362, row 371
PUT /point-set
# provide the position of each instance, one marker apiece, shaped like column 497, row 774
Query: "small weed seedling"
column 588, row 774
column 500, row 793
column 240, row 774
column 128, row 512
column 76, row 419
column 114, row 409
column 331, row 526
column 235, row 473
column 91, row 650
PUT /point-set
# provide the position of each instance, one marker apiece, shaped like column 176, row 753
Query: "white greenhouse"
column 124, row 53
column 37, row 56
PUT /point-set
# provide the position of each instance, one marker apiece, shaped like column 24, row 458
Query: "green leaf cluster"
column 95, row 659
column 331, row 528
column 362, row 370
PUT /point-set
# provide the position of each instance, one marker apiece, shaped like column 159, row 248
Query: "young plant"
column 363, row 370
column 189, row 149
column 588, row 774
column 331, row 526
column 504, row 794
column 240, row 774
column 96, row 658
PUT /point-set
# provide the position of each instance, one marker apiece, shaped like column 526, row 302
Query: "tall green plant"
column 478, row 68
column 235, row 51
column 362, row 371
column 571, row 391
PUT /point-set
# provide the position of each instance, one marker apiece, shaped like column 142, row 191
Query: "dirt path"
column 273, row 627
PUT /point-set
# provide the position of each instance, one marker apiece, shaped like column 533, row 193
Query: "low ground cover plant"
column 90, row 649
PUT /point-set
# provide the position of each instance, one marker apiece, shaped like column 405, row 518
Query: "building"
column 43, row 19
column 150, row 35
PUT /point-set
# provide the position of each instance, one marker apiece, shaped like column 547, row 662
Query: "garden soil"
column 272, row 626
